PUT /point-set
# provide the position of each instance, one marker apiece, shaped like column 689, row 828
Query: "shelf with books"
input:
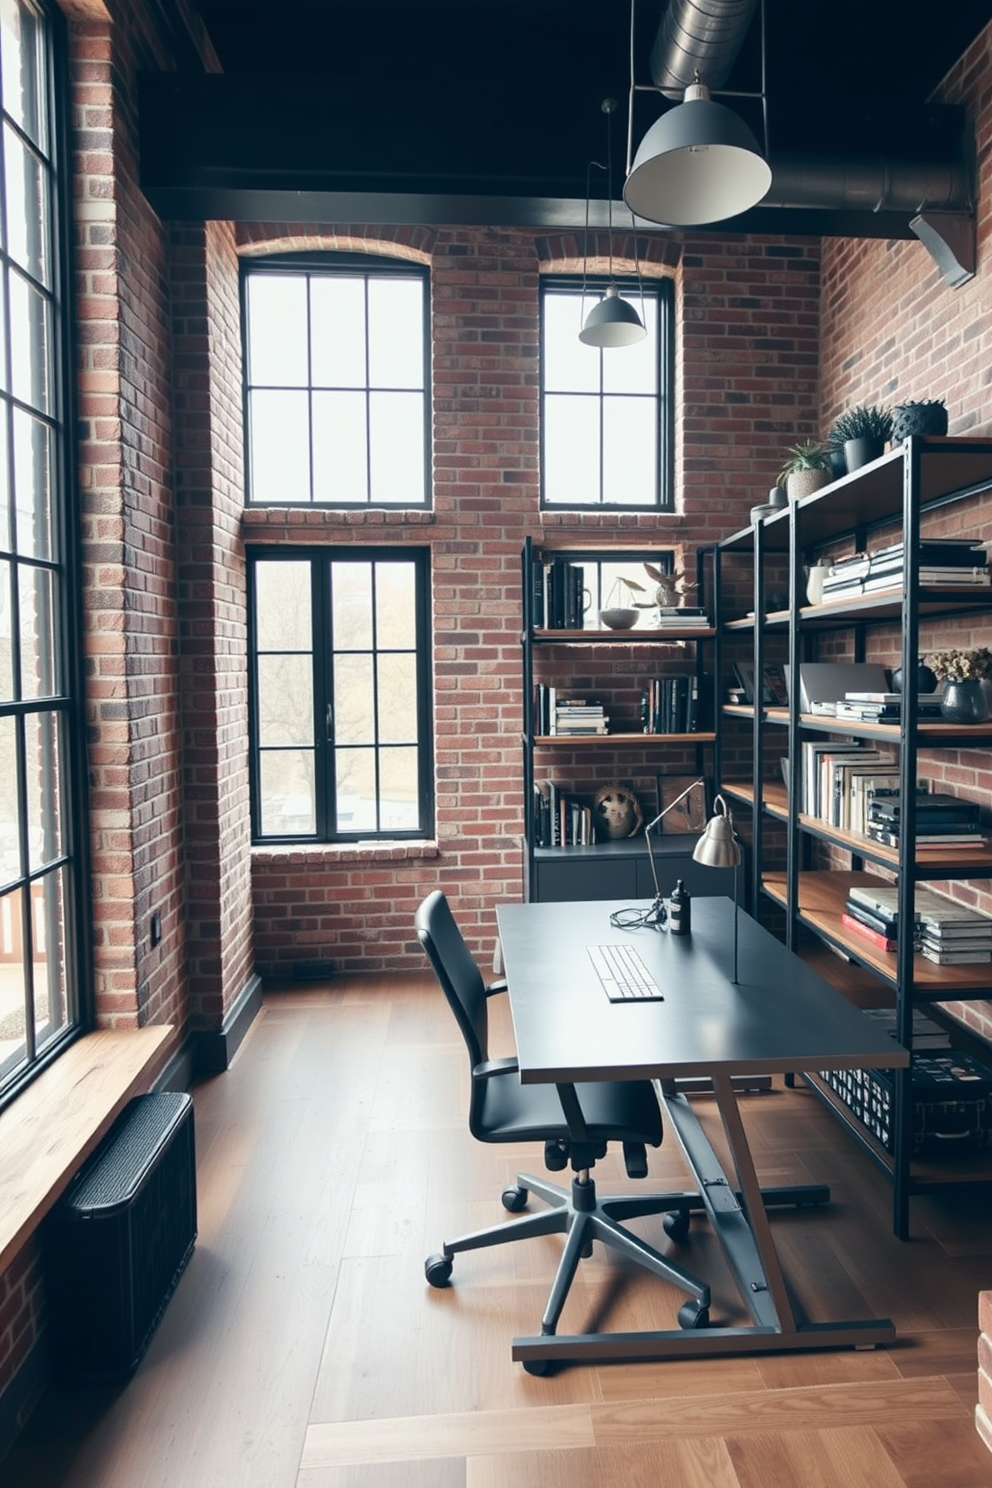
column 899, row 558
column 631, row 708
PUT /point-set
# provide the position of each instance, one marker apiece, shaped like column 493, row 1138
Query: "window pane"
column 354, row 701
column 395, row 605
column 337, row 308
column 279, row 433
column 283, row 620
column 21, row 58
column 396, row 333
column 634, row 369
column 32, row 486
column 36, row 613
column 569, row 365
column 630, row 451
column 6, row 634
column 25, row 200
column 48, row 955
column 351, row 606
column 285, row 700
column 355, row 777
column 277, row 331
column 398, row 790
column 340, row 448
column 396, row 447
column 571, row 450
column 10, row 816
column 397, row 699
column 286, row 785
column 13, row 988
column 29, row 338
column 43, row 772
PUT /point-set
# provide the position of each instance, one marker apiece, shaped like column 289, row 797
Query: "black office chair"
column 501, row 1109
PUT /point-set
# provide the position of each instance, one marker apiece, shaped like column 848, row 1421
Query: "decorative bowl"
column 618, row 618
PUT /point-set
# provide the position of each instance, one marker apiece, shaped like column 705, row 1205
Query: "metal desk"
column 781, row 1017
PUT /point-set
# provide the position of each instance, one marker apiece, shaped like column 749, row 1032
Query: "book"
column 881, row 924
column 956, row 958
column 880, row 942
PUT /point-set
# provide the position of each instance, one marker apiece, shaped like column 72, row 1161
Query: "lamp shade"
column 718, row 846
column 613, row 322
column 698, row 163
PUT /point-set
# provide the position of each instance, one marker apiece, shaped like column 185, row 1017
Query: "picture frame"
column 691, row 814
column 774, row 687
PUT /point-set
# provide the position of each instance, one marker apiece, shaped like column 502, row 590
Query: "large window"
column 605, row 415
column 340, row 695
column 39, row 879
column 336, row 379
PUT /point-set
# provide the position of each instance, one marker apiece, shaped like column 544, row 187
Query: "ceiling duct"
column 699, row 36
column 703, row 38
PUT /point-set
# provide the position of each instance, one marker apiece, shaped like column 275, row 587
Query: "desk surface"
column 781, row 1016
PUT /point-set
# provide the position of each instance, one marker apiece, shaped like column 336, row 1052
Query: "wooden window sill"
column 48, row 1132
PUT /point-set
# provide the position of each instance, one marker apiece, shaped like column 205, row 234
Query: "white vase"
column 815, row 575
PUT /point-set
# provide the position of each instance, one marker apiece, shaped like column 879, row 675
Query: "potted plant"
column 861, row 433
column 806, row 469
column 966, row 697
column 616, row 616
column 927, row 416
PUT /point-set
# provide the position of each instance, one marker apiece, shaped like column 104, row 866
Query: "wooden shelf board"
column 634, row 636
column 821, row 903
column 585, row 741
column 886, row 604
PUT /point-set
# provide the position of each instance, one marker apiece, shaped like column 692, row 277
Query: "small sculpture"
column 616, row 812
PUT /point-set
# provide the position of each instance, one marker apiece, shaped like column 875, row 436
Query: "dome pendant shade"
column 613, row 322
column 698, row 163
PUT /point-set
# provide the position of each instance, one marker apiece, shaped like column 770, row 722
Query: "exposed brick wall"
column 892, row 330
column 747, row 393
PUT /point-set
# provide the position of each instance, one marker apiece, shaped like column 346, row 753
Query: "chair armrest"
column 490, row 1067
column 499, row 985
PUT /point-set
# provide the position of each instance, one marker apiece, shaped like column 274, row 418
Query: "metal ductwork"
column 704, row 37
column 701, row 36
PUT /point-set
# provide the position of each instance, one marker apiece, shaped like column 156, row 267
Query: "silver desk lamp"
column 719, row 847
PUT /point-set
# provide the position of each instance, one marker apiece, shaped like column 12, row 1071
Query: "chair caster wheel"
column 693, row 1315
column 537, row 1366
column 676, row 1225
column 514, row 1198
column 437, row 1269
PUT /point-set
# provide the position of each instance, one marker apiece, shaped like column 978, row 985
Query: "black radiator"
column 118, row 1239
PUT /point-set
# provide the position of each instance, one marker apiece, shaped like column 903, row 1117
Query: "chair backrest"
column 455, row 968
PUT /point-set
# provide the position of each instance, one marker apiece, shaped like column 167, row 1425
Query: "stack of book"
column 944, row 931
column 960, row 563
column 670, row 705
column 559, row 819
column 577, row 716
column 681, row 617
column 885, row 707
column 941, row 821
column 557, row 598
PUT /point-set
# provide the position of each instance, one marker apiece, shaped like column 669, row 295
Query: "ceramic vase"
column 965, row 702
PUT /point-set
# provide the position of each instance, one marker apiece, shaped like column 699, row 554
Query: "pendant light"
column 613, row 321
column 698, row 163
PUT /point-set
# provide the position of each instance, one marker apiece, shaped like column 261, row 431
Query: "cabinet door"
column 568, row 878
column 700, row 881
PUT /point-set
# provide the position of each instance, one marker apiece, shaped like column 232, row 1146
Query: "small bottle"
column 679, row 910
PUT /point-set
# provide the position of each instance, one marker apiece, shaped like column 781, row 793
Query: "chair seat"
column 614, row 1111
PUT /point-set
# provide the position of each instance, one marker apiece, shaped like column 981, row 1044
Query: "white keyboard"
column 623, row 975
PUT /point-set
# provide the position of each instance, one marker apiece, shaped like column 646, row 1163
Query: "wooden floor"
column 303, row 1348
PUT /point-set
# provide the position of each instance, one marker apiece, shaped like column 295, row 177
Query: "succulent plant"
column 808, row 454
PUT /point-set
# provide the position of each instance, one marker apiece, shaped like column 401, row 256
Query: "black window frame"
column 336, row 265
column 662, row 291
column 320, row 558
column 65, row 704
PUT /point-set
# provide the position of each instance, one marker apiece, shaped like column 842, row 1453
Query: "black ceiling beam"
column 215, row 146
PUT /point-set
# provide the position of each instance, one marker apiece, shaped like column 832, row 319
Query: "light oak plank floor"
column 303, row 1348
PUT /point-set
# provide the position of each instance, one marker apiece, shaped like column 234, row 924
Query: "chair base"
column 582, row 1216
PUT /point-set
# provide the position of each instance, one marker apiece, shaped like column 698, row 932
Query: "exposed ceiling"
column 490, row 110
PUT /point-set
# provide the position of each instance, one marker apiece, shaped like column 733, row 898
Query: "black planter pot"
column 918, row 418
column 858, row 452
